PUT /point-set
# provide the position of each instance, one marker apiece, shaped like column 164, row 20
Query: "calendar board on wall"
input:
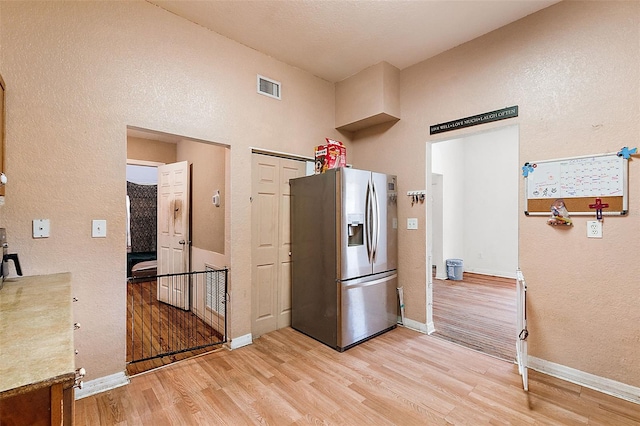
column 578, row 181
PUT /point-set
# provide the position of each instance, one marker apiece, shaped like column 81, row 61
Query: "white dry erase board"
column 578, row 181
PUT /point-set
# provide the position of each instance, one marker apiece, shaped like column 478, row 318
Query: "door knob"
column 182, row 242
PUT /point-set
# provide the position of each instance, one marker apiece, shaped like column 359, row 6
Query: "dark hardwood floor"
column 154, row 328
column 478, row 312
column 401, row 377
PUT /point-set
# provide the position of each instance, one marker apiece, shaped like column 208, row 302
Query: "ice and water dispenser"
column 355, row 229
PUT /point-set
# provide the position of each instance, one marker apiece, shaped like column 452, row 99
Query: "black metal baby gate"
column 157, row 329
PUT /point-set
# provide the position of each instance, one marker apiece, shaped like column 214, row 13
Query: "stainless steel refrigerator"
column 344, row 255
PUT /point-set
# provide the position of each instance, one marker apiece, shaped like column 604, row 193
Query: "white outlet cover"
column 99, row 228
column 594, row 229
column 412, row 223
column 41, row 228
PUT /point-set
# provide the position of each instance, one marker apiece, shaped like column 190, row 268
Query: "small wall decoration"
column 559, row 214
column 626, row 153
column 528, row 168
column 599, row 205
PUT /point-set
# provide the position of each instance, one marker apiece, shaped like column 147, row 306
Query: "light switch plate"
column 99, row 228
column 41, row 228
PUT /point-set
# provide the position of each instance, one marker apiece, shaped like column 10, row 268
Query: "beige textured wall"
column 391, row 89
column 573, row 70
column 369, row 97
column 150, row 150
column 207, row 176
column 77, row 74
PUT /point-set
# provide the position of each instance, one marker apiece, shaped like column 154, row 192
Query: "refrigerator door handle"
column 368, row 222
column 376, row 224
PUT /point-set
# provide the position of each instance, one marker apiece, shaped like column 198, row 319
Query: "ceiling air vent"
column 268, row 87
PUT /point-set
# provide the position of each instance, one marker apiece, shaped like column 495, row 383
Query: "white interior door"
column 289, row 169
column 271, row 241
column 521, row 342
column 173, row 233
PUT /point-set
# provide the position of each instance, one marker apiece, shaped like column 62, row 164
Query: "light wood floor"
column 401, row 377
column 154, row 328
column 478, row 312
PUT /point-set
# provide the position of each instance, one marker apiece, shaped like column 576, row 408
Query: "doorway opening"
column 472, row 237
column 177, row 239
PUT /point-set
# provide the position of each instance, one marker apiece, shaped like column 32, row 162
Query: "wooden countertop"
column 36, row 333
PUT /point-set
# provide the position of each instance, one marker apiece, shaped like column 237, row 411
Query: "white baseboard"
column 601, row 384
column 102, row 384
column 431, row 327
column 415, row 325
column 238, row 342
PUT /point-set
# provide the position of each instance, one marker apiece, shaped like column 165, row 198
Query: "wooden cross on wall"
column 599, row 205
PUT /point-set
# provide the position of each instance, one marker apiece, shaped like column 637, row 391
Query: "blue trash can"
column 455, row 268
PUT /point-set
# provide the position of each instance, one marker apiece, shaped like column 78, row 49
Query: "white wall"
column 436, row 197
column 142, row 175
column 491, row 202
column 480, row 203
column 448, row 160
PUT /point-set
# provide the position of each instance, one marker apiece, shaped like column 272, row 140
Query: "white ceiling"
column 336, row 39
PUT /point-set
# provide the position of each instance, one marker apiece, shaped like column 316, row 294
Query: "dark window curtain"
column 143, row 199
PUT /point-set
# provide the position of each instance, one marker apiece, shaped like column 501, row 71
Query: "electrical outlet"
column 412, row 223
column 594, row 229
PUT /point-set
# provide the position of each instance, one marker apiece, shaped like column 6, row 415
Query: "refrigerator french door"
column 344, row 255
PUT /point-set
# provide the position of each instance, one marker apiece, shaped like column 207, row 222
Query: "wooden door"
column 271, row 241
column 173, row 233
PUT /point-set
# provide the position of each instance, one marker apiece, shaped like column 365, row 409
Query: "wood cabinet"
column 37, row 366
column 42, row 406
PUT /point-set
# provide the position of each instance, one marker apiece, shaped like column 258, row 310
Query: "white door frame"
column 429, row 237
column 430, row 326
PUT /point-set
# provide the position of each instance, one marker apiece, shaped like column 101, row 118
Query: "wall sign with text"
column 487, row 117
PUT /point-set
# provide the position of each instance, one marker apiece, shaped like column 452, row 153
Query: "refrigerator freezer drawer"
column 368, row 307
